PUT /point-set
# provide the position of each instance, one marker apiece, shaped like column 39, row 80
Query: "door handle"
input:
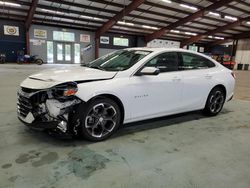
column 208, row 76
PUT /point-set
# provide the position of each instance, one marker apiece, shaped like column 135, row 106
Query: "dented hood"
column 52, row 77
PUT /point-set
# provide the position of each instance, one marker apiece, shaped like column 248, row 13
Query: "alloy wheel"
column 216, row 101
column 101, row 120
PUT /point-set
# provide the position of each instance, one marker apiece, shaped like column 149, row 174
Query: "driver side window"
column 165, row 62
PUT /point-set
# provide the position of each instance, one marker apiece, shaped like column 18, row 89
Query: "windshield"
column 118, row 61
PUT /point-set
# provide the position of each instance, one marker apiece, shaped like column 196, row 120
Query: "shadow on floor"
column 155, row 123
column 127, row 129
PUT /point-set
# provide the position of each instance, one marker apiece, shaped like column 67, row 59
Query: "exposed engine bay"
column 50, row 108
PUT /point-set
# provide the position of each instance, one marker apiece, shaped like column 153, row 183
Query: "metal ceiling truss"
column 108, row 22
column 217, row 30
column 234, row 37
column 106, row 26
column 187, row 19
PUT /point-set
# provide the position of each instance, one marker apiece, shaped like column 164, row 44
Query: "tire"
column 215, row 101
column 103, row 114
column 39, row 61
column 19, row 62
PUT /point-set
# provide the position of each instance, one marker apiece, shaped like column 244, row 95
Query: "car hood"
column 49, row 78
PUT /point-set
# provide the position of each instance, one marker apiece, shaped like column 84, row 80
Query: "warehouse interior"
column 187, row 150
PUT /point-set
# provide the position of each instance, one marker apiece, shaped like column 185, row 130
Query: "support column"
column 27, row 42
column 234, row 49
column 97, row 46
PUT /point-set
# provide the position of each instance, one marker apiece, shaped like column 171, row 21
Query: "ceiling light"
column 220, row 38
column 166, row 1
column 90, row 18
column 145, row 26
column 150, row 27
column 188, row 7
column 9, row 4
column 214, row 13
column 52, row 11
column 175, row 31
column 189, row 33
column 95, row 18
column 155, row 28
column 231, row 18
column 248, row 23
column 125, row 23
column 210, row 36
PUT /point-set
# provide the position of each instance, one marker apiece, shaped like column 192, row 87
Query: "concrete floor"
column 188, row 151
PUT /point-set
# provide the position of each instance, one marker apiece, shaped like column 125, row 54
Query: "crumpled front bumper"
column 50, row 114
column 39, row 125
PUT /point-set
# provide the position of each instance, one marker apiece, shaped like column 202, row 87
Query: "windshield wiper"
column 94, row 67
column 84, row 64
column 97, row 67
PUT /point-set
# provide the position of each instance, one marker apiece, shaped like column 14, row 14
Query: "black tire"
column 19, row 62
column 215, row 101
column 39, row 61
column 105, row 123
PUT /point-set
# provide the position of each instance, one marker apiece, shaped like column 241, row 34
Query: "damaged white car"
column 125, row 86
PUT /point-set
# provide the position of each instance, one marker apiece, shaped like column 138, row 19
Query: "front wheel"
column 215, row 101
column 39, row 61
column 99, row 119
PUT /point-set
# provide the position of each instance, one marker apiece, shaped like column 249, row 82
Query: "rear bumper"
column 230, row 98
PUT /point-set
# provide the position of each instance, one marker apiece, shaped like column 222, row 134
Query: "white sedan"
column 128, row 85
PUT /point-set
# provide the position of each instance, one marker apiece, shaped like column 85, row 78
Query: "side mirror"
column 149, row 71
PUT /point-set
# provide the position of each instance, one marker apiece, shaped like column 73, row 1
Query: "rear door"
column 197, row 74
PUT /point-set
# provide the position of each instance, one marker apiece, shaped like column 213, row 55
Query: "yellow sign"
column 39, row 33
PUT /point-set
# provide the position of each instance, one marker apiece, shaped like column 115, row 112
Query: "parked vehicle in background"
column 122, row 87
column 22, row 58
column 2, row 58
column 225, row 60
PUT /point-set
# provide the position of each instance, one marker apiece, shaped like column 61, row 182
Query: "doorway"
column 64, row 53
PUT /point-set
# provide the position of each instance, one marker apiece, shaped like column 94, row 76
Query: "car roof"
column 161, row 49
column 172, row 49
column 168, row 49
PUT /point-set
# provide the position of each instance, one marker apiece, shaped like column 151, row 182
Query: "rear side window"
column 166, row 62
column 192, row 61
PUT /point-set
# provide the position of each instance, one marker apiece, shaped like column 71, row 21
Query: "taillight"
column 233, row 75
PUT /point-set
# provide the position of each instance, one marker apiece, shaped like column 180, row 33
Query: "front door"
column 64, row 53
column 157, row 95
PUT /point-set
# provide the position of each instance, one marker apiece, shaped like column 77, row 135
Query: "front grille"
column 28, row 90
column 23, row 106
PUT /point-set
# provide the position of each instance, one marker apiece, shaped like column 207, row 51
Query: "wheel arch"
column 222, row 87
column 205, row 109
column 115, row 99
column 219, row 86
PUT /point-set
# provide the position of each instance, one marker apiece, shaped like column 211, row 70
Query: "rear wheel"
column 19, row 62
column 99, row 119
column 215, row 101
column 39, row 61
